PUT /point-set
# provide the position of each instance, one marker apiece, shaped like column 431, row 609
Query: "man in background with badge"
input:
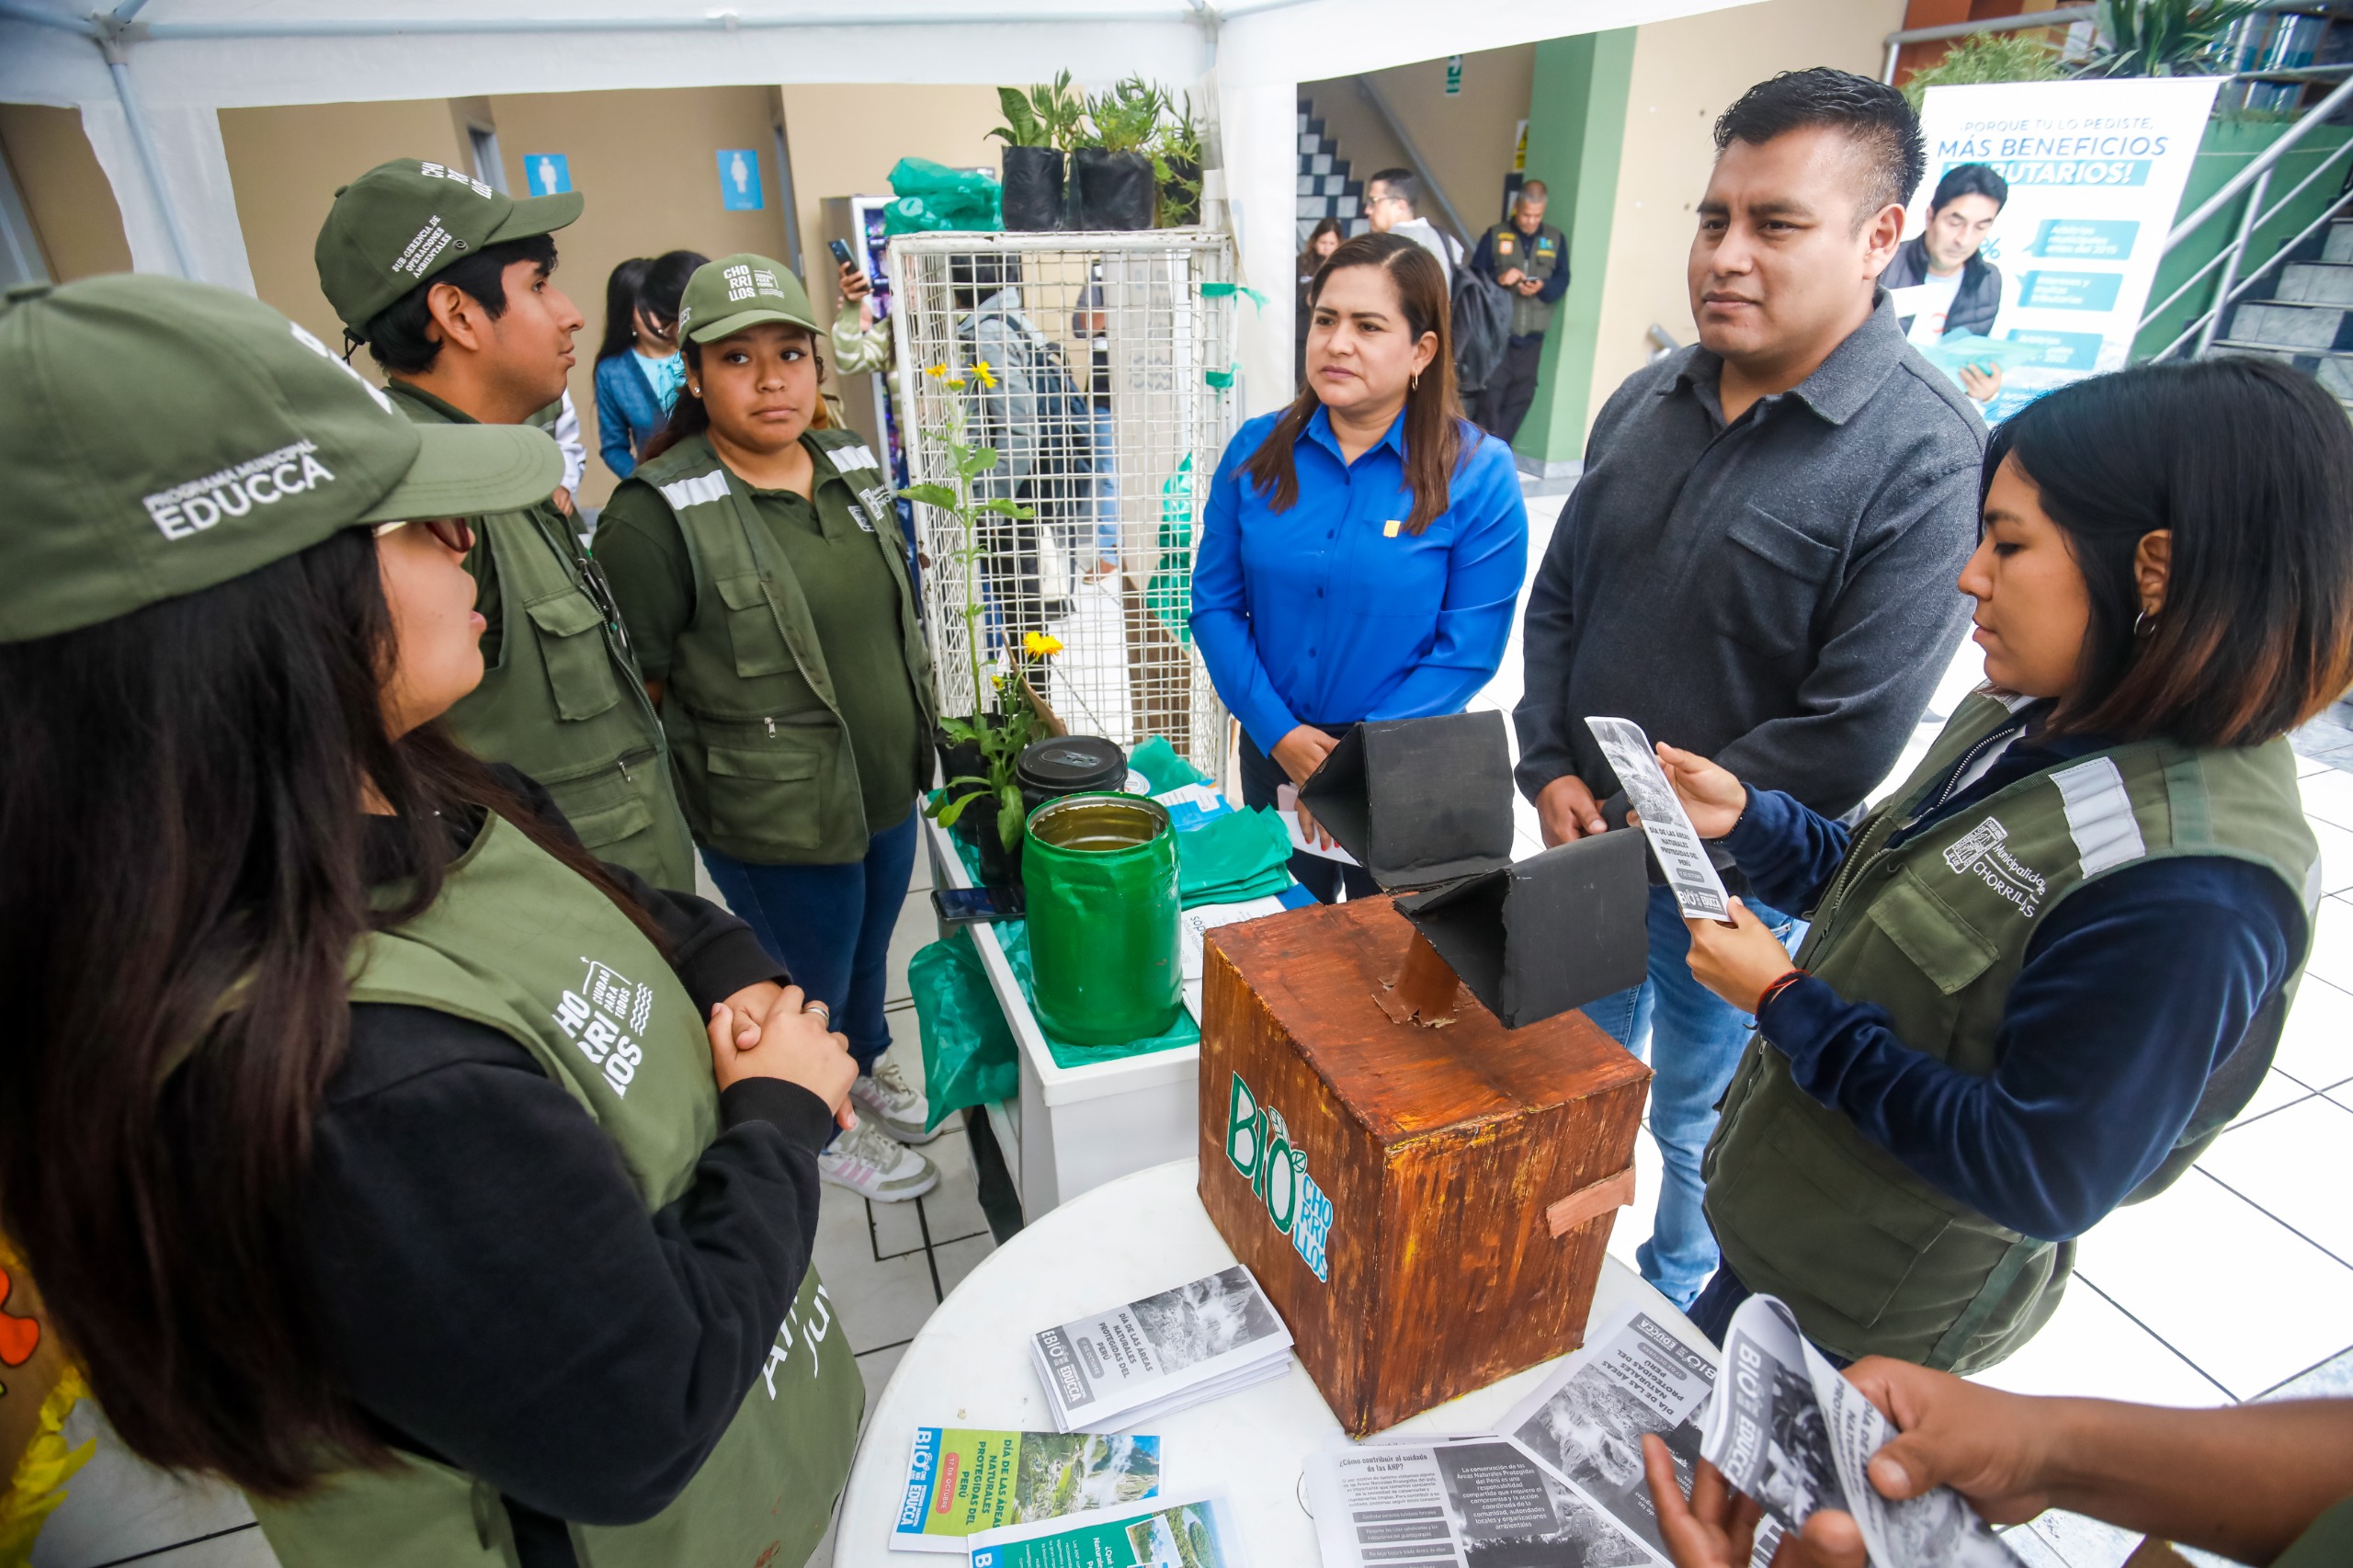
column 1530, row 257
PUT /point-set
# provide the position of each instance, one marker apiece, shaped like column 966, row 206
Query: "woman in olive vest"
column 758, row 565
column 377, row 1149
column 2050, row 967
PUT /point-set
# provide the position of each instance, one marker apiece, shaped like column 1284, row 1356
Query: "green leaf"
column 1013, row 509
column 954, row 808
column 939, row 495
column 973, row 462
column 959, row 729
column 1009, row 816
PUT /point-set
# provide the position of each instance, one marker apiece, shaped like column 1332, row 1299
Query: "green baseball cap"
column 403, row 221
column 736, row 291
column 158, row 437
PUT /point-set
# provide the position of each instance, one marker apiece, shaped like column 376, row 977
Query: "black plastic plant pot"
column 1000, row 864
column 1419, row 801
column 958, row 759
column 1115, row 190
column 1180, row 194
column 1033, row 188
column 1554, row 932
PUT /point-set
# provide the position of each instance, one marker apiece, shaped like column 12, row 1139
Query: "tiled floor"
column 2235, row 1284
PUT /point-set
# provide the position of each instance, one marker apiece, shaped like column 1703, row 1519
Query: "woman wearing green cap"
column 758, row 566
column 377, row 1149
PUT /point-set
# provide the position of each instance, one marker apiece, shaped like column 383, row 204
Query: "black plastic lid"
column 1070, row 764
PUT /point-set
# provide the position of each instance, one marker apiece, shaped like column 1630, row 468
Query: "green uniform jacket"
column 749, row 705
column 518, row 943
column 1873, row 1259
column 1539, row 255
column 560, row 697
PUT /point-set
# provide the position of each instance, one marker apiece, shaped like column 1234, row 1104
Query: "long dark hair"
column 2250, row 464
column 688, row 416
column 1434, row 444
column 1310, row 263
column 185, row 886
column 620, row 306
column 666, row 276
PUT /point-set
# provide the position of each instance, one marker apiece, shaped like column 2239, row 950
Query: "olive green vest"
column 1539, row 256
column 1873, row 1259
column 749, row 706
column 518, row 943
column 565, row 702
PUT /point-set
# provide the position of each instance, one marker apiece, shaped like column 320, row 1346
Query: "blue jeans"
column 830, row 927
column 1692, row 1039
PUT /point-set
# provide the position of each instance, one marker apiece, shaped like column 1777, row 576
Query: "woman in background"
column 1321, row 242
column 1362, row 550
column 638, row 369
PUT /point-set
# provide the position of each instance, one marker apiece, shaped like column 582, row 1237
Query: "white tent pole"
column 717, row 21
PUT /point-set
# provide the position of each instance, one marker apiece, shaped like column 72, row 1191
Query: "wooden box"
column 1426, row 1206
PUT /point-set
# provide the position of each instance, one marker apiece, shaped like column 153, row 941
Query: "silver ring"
column 821, row 1010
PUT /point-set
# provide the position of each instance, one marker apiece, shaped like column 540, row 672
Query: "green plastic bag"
column 1170, row 593
column 934, row 197
column 1162, row 767
column 1241, row 856
column 968, row 1048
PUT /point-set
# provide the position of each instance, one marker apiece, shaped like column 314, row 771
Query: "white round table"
column 969, row 1367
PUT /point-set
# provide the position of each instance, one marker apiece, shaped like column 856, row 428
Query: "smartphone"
column 959, row 907
column 842, row 252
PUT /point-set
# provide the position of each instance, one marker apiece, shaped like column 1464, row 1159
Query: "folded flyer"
column 1195, row 924
column 1113, row 1369
column 1698, row 889
column 1637, row 1375
column 1196, row 1532
column 1786, row 1429
column 1448, row 1501
column 960, row 1483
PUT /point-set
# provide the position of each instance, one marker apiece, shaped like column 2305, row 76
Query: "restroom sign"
column 1258, row 1145
column 548, row 174
column 739, row 179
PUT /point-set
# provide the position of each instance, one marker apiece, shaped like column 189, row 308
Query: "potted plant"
column 1111, row 174
column 981, row 749
column 1038, row 129
column 1177, row 169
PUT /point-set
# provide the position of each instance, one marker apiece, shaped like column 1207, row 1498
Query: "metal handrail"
column 2216, row 260
column 2261, row 164
column 2327, row 214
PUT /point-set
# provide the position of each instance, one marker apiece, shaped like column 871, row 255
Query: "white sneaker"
column 870, row 1163
column 886, row 1097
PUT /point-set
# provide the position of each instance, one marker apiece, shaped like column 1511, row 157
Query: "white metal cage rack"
column 1108, row 398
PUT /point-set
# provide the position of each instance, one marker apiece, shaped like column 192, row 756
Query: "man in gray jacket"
column 1759, row 562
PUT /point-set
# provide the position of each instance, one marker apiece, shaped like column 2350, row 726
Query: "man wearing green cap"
column 759, row 565
column 449, row 1192
column 448, row 283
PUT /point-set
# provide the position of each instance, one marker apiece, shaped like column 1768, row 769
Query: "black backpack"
column 1481, row 310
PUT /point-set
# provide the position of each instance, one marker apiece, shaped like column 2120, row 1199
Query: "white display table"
column 1072, row 1128
column 969, row 1367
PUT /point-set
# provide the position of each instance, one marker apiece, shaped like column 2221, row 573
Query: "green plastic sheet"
column 968, row 1048
column 934, row 197
column 1162, row 767
column 1243, row 855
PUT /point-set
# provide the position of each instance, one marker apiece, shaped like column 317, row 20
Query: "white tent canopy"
column 148, row 78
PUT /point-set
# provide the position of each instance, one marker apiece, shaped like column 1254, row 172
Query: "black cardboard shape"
column 1419, row 801
column 1557, row 930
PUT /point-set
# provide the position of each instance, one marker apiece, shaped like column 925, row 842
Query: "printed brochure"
column 1789, row 1431
column 960, row 1483
column 1452, row 1501
column 1195, row 1531
column 1132, row 1364
column 1681, row 855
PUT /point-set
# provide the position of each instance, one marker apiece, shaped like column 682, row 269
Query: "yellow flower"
column 1039, row 645
column 936, row 370
column 987, row 376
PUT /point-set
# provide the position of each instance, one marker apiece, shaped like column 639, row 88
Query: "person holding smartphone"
column 446, row 1188
column 861, row 340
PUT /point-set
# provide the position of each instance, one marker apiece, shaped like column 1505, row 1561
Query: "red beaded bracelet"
column 1766, row 997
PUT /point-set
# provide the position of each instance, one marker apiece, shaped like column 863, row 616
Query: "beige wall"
column 1467, row 138
column 1685, row 73
column 65, row 193
column 285, row 164
column 645, row 160
column 845, row 137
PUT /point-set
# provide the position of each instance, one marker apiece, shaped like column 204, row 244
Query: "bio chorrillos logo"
column 1981, row 851
column 605, row 1017
column 1259, row 1144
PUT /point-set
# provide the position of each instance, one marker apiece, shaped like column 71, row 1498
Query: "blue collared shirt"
column 1331, row 612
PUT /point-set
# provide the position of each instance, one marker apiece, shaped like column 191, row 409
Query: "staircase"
column 1325, row 188
column 2308, row 319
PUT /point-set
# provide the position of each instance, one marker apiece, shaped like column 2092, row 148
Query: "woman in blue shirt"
column 639, row 372
column 1362, row 551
